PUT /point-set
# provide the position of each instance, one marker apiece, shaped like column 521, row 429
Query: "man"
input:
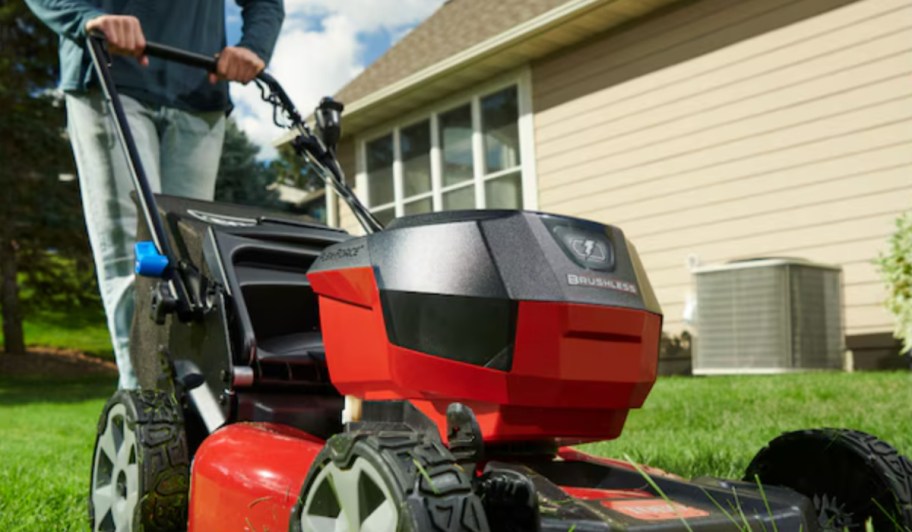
column 176, row 113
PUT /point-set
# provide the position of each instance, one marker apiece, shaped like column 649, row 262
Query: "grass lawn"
column 82, row 331
column 46, row 440
column 690, row 426
column 714, row 425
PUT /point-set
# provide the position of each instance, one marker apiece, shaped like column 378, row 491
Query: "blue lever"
column 149, row 262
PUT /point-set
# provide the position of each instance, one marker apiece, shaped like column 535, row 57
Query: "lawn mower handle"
column 305, row 144
column 162, row 51
column 176, row 282
column 193, row 59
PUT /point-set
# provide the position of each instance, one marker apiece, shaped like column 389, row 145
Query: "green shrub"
column 57, row 282
column 672, row 346
column 896, row 271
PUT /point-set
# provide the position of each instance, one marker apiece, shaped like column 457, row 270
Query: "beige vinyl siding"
column 348, row 221
column 346, row 153
column 729, row 129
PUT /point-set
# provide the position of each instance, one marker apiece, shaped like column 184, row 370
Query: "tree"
column 293, row 171
column 40, row 218
column 244, row 180
column 241, row 178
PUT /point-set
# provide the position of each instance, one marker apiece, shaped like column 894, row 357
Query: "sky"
column 323, row 45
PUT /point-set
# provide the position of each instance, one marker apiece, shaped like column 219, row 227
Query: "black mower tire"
column 149, row 424
column 430, row 491
column 850, row 476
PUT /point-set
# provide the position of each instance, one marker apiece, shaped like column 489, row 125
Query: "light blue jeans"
column 180, row 153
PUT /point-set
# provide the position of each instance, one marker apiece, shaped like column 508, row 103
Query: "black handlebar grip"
column 209, row 63
column 162, row 51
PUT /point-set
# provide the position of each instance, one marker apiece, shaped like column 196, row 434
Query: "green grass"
column 84, row 331
column 714, row 425
column 46, row 442
column 690, row 426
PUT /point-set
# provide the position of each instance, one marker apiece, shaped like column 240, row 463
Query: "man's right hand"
column 123, row 33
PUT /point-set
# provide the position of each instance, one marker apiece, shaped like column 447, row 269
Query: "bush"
column 672, row 346
column 59, row 283
column 896, row 271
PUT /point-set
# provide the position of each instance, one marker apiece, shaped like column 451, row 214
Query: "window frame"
column 522, row 80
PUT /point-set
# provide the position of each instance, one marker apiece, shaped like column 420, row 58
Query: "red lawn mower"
column 429, row 376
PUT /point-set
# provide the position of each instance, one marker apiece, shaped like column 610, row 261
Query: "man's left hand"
column 236, row 63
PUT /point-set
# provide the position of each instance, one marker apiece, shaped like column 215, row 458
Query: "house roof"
column 468, row 41
column 456, row 26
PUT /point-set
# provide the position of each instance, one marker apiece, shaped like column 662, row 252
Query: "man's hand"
column 236, row 63
column 123, row 33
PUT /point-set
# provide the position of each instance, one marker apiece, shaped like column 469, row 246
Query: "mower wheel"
column 851, row 477
column 388, row 481
column 140, row 470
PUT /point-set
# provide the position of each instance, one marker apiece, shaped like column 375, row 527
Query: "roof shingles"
column 454, row 27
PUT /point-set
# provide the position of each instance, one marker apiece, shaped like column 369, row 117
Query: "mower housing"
column 545, row 326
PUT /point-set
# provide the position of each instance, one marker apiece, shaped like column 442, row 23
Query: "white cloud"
column 366, row 15
column 318, row 52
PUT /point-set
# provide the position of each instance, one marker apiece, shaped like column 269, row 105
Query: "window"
column 465, row 155
column 415, row 150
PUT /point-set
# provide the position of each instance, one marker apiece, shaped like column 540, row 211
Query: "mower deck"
column 600, row 495
column 235, row 481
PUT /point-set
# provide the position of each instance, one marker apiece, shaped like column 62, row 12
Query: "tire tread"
column 434, row 487
column 894, row 469
column 164, row 460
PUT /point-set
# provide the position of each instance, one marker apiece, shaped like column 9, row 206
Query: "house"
column 709, row 130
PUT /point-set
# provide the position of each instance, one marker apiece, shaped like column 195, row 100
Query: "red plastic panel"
column 577, row 369
column 585, row 355
column 247, row 476
column 353, row 331
column 596, row 494
column 353, row 285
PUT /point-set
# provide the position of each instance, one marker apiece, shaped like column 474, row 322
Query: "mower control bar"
column 162, row 51
column 210, row 64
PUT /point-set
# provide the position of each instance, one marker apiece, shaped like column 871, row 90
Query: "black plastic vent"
column 474, row 330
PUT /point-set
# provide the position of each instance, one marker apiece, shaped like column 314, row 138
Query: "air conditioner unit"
column 768, row 316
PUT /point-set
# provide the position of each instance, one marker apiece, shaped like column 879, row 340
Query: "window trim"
column 522, row 79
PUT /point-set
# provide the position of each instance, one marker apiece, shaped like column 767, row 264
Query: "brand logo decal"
column 597, row 281
column 588, row 250
column 341, row 253
column 655, row 510
column 221, row 219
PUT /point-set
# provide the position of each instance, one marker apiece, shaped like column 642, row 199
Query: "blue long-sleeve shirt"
column 194, row 25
